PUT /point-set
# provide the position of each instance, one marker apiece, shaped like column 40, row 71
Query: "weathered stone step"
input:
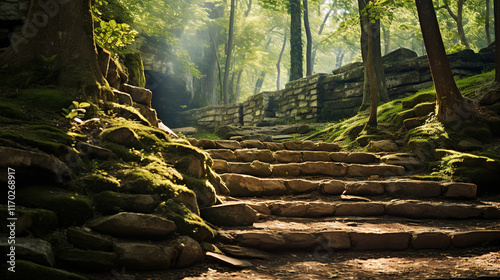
column 310, row 168
column 395, row 208
column 250, row 144
column 248, row 186
column 286, row 156
column 363, row 234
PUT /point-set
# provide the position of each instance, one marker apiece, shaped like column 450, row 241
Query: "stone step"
column 395, row 208
column 248, row 186
column 288, row 145
column 287, row 156
column 310, row 168
column 362, row 234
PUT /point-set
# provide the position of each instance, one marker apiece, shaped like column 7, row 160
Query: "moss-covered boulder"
column 480, row 170
column 71, row 208
column 28, row 270
column 187, row 222
column 135, row 68
column 99, row 182
column 109, row 202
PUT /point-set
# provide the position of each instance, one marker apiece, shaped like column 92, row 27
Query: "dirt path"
column 477, row 263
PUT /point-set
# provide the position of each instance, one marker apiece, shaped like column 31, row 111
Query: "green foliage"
column 114, row 36
column 75, row 110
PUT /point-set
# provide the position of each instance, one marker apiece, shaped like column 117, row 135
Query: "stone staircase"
column 302, row 195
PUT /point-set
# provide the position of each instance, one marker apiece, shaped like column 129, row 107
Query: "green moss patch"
column 481, row 170
column 71, row 208
column 46, row 99
column 187, row 222
column 44, row 137
column 99, row 182
column 12, row 112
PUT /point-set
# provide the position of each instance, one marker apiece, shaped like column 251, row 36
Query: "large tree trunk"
column 367, row 27
column 229, row 54
column 450, row 105
column 62, row 30
column 374, row 85
column 278, row 64
column 458, row 18
column 296, row 56
column 309, row 62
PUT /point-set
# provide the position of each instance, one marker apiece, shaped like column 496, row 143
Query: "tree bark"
column 496, row 11
column 309, row 62
column 374, row 85
column 296, row 55
column 63, row 30
column 458, row 18
column 229, row 54
column 487, row 22
column 278, row 64
column 450, row 105
column 249, row 8
column 367, row 27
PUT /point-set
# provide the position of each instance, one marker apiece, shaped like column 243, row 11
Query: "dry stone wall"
column 327, row 97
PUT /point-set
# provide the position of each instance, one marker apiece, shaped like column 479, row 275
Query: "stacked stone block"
column 213, row 116
column 260, row 109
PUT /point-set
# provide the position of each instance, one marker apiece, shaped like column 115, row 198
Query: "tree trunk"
column 249, row 8
column 320, row 31
column 278, row 64
column 450, row 105
column 387, row 39
column 259, row 83
column 367, row 27
column 339, row 57
column 458, row 18
column 309, row 62
column 63, row 30
column 496, row 11
column 229, row 54
column 487, row 22
column 296, row 56
column 374, row 85
column 238, row 86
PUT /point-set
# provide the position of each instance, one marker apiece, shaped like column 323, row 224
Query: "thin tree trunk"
column 229, row 54
column 249, row 8
column 296, row 55
column 367, row 27
column 320, row 31
column 387, row 39
column 278, row 64
column 238, row 86
column 487, row 22
column 309, row 63
column 450, row 105
column 374, row 85
column 339, row 57
column 458, row 18
column 216, row 54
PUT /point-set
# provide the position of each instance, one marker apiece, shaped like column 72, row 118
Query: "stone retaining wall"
column 328, row 97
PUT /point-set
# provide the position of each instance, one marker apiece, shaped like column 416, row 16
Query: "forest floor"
column 477, row 263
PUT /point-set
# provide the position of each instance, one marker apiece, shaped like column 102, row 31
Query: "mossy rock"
column 135, row 68
column 404, row 115
column 364, row 140
column 71, row 208
column 205, row 192
column 109, row 202
column 12, row 112
column 44, row 137
column 27, row 270
column 481, row 170
column 48, row 99
column 187, row 222
column 418, row 98
column 37, row 221
column 99, row 182
column 126, row 154
column 129, row 113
